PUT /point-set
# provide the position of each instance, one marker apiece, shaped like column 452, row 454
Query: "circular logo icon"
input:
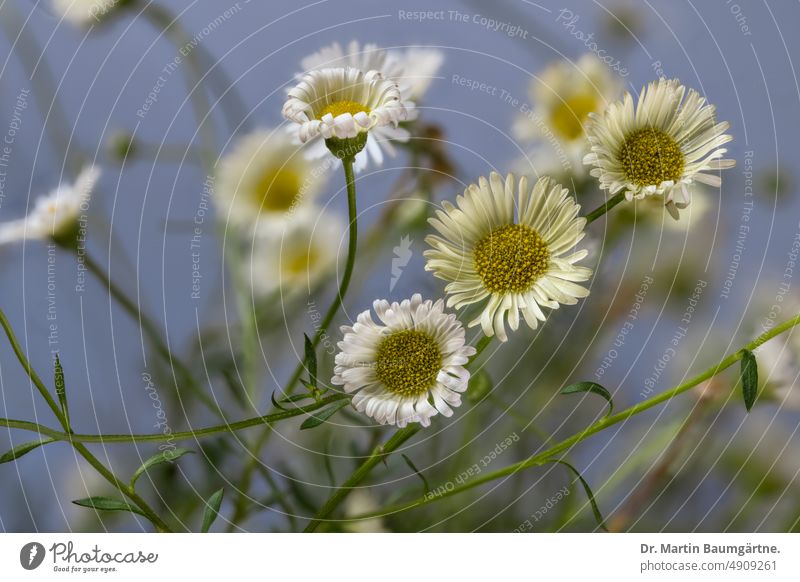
column 31, row 555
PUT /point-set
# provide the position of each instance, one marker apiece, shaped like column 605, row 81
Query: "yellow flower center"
column 337, row 108
column 408, row 362
column 301, row 262
column 649, row 156
column 511, row 258
column 569, row 116
column 277, row 190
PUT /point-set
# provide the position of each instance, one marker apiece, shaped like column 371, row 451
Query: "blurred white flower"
column 56, row 215
column 779, row 367
column 563, row 96
column 297, row 257
column 662, row 146
column 343, row 103
column 512, row 247
column 85, row 13
column 407, row 368
column 266, row 178
column 360, row 502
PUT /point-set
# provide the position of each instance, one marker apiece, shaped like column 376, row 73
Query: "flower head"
column 295, row 259
column 662, row 146
column 409, row 366
column 265, row 178
column 511, row 247
column 343, row 103
column 55, row 216
column 85, row 13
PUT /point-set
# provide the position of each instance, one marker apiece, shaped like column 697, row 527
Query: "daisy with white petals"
column 343, row 103
column 512, row 247
column 85, row 13
column 266, row 178
column 669, row 140
column 55, row 216
column 412, row 69
column 409, row 366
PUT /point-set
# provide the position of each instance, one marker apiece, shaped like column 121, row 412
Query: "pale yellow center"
column 649, row 156
column 337, row 108
column 408, row 362
column 568, row 117
column 277, row 190
column 511, row 258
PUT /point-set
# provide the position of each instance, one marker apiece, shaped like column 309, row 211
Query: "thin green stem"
column 601, row 210
column 175, row 436
column 378, row 454
column 545, row 456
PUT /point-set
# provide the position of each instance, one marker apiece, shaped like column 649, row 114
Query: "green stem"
column 175, row 436
column 564, row 445
column 378, row 454
column 601, row 210
column 82, row 450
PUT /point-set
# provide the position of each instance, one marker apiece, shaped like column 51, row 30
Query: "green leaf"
column 594, row 388
column 107, row 504
column 23, row 449
column 318, row 418
column 413, row 467
column 295, row 398
column 311, row 361
column 597, row 515
column 480, row 384
column 166, row 456
column 749, row 377
column 61, row 389
column 212, row 510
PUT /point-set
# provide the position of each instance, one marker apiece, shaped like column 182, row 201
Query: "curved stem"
column 175, row 436
column 601, row 210
column 378, row 454
column 545, row 456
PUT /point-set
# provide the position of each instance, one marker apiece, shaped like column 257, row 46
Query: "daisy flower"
column 265, row 178
column 662, row 146
column 55, row 216
column 297, row 258
column 563, row 96
column 343, row 103
column 408, row 367
column 510, row 247
column 85, row 13
column 411, row 69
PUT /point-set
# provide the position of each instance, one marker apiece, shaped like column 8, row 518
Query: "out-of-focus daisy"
column 265, row 177
column 563, row 96
column 412, row 69
column 85, row 13
column 297, row 258
column 409, row 366
column 360, row 502
column 343, row 103
column 662, row 146
column 511, row 247
column 779, row 368
column 56, row 216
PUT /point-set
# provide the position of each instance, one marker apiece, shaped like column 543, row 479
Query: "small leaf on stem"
column 107, row 504
column 23, row 449
column 166, row 456
column 318, row 418
column 749, row 376
column 594, row 388
column 212, row 510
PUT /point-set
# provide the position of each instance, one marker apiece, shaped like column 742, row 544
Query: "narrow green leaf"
column 594, row 388
column 107, row 504
column 166, row 456
column 61, row 389
column 597, row 515
column 23, row 449
column 295, row 398
column 212, row 510
column 749, row 375
column 480, row 384
column 413, row 467
column 321, row 416
column 311, row 361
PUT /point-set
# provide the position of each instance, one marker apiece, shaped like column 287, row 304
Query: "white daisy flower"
column 411, row 69
column 343, row 103
column 297, row 258
column 266, row 178
column 85, row 13
column 55, row 216
column 661, row 147
column 511, row 247
column 563, row 96
column 407, row 368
